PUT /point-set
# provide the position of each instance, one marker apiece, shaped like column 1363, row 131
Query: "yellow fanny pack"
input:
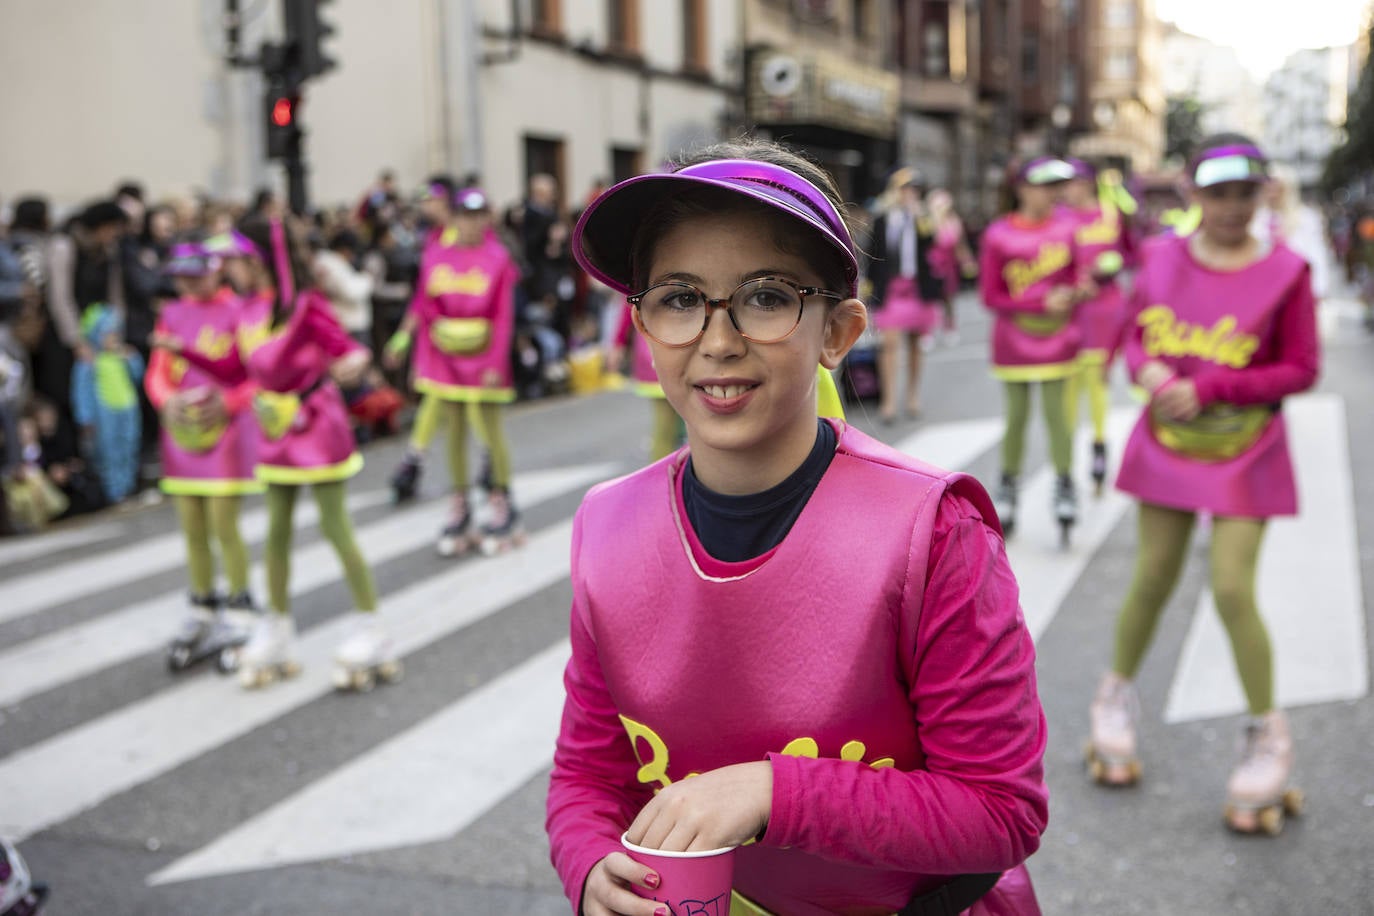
column 1039, row 325
column 1220, row 432
column 461, row 336
column 195, row 435
column 275, row 412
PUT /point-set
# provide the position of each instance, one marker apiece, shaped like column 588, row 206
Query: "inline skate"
column 1065, row 507
column 208, row 631
column 1099, row 468
column 1004, row 502
column 20, row 895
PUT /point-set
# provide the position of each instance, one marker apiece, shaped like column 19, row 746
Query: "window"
column 935, row 40
column 1030, row 58
column 694, row 56
column 1120, row 14
column 859, row 12
column 544, row 156
column 545, row 16
column 1120, row 64
column 624, row 26
column 625, row 163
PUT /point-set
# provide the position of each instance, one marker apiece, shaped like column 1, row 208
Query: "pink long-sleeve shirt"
column 1020, row 263
column 1244, row 337
column 877, row 658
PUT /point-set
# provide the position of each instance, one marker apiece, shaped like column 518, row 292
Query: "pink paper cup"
column 691, row 883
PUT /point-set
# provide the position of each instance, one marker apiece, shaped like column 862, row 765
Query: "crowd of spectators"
column 58, row 270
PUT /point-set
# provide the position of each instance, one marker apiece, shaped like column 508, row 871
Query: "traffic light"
column 306, row 31
column 282, row 107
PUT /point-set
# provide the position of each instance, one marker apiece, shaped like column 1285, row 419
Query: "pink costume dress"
column 878, row 660
column 1247, row 339
column 1019, row 264
column 899, row 271
column 464, row 307
column 641, row 360
column 200, row 459
column 1102, row 248
column 944, row 255
column 306, row 434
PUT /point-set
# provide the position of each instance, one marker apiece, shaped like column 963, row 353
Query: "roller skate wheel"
column 289, row 669
column 178, row 658
column 1294, row 802
column 362, row 681
column 256, row 678
column 491, row 547
column 343, row 679
column 227, row 662
column 1271, row 820
column 1242, row 820
column 390, row 671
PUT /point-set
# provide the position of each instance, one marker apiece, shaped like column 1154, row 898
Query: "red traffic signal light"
column 283, row 111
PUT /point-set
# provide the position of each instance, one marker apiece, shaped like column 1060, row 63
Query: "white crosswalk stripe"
column 436, row 777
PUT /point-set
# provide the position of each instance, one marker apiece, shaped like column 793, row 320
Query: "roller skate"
column 502, row 529
column 456, row 538
column 1257, row 794
column 1065, row 507
column 366, row 656
column 1004, row 501
column 405, row 480
column 270, row 652
column 209, row 631
column 1099, row 467
column 20, row 895
column 1111, row 751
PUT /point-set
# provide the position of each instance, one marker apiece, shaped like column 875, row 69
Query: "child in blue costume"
column 105, row 400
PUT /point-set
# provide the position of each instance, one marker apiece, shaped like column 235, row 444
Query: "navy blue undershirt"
column 735, row 528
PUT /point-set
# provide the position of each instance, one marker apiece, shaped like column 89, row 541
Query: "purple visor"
column 231, row 244
column 471, row 200
column 190, row 260
column 1083, row 169
column 605, row 234
column 1046, row 170
column 1230, row 163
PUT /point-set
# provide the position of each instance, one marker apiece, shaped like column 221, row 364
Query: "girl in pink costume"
column 1223, row 328
column 950, row 257
column 462, row 321
column 906, row 292
column 209, row 442
column 735, row 619
column 1103, row 246
column 297, row 355
column 1028, row 277
column 667, row 431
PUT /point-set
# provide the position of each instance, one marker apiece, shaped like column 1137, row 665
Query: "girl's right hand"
column 607, row 890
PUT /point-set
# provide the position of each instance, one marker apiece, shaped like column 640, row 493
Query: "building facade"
column 1193, row 67
column 1125, row 94
column 1305, row 105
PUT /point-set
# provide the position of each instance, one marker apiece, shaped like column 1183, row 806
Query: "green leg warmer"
column 200, row 564
column 1017, row 396
column 492, row 431
column 338, row 529
column 1163, row 545
column 281, row 504
column 224, row 520
column 1053, row 404
column 1235, row 557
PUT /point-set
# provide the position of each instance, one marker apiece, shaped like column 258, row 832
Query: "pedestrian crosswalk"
column 432, row 778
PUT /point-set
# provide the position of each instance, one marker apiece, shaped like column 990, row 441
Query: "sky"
column 1264, row 39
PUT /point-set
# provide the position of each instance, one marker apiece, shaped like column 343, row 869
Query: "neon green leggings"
column 485, row 418
column 337, row 528
column 1053, row 404
column 666, row 434
column 1091, row 377
column 202, row 517
column 1163, row 537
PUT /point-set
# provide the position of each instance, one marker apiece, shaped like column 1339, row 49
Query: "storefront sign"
column 820, row 89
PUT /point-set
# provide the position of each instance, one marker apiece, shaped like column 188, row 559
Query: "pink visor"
column 605, row 234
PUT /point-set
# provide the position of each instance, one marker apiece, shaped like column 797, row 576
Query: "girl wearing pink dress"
column 1222, row 329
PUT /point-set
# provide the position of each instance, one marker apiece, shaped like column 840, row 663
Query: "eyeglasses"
column 766, row 310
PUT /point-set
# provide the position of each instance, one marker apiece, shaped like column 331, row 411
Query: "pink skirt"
column 1257, row 483
column 904, row 310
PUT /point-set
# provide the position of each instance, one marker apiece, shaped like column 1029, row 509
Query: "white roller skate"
column 1258, row 794
column 457, row 538
column 1004, row 502
column 502, row 530
column 1111, row 751
column 367, row 656
column 208, row 631
column 270, row 652
column 1065, row 507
